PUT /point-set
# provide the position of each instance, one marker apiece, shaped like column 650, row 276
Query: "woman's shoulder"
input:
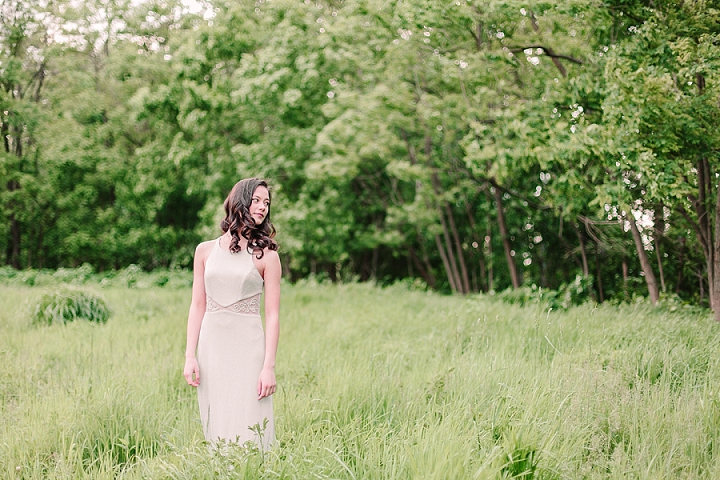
column 269, row 265
column 273, row 254
column 204, row 248
column 269, row 257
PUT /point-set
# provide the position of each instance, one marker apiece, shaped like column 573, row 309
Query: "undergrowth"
column 376, row 383
column 66, row 305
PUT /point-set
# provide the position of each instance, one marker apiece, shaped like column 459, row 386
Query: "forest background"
column 462, row 145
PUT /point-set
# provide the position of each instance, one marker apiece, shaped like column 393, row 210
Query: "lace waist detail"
column 246, row 305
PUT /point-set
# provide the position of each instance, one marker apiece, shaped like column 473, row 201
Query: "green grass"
column 66, row 305
column 373, row 383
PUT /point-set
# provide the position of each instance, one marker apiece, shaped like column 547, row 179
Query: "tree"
column 25, row 49
column 668, row 146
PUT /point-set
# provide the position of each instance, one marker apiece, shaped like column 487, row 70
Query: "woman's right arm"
column 191, row 372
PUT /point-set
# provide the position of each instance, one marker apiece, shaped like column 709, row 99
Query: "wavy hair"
column 239, row 222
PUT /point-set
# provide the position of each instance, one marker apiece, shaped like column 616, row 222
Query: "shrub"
column 576, row 292
column 529, row 295
column 67, row 305
column 79, row 275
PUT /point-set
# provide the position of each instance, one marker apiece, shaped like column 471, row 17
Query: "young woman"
column 234, row 368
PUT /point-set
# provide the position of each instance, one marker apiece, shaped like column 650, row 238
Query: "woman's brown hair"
column 239, row 222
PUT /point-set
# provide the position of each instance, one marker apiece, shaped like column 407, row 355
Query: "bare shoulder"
column 271, row 255
column 203, row 249
column 270, row 262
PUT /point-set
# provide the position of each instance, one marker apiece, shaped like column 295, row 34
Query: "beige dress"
column 231, row 352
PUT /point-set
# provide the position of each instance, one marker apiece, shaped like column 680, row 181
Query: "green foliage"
column 528, row 295
column 385, row 128
column 577, row 292
column 66, row 306
column 79, row 275
column 132, row 276
column 521, row 461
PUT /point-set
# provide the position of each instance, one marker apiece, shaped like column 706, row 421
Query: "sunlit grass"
column 374, row 383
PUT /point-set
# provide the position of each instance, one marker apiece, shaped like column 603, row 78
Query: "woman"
column 234, row 369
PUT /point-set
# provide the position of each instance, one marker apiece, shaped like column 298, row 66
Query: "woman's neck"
column 226, row 238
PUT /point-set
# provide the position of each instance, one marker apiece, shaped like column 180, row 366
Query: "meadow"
column 374, row 383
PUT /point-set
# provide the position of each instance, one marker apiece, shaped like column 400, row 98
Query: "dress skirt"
column 231, row 352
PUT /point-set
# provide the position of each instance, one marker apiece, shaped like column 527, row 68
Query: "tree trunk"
column 446, row 264
column 479, row 40
column 14, row 249
column 375, row 259
column 41, row 235
column 543, row 265
column 661, row 272
column 712, row 234
column 703, row 214
column 625, row 273
column 458, row 248
column 422, row 269
column 483, row 273
column 681, row 265
column 410, row 269
column 583, row 253
column 598, row 274
column 491, row 276
column 514, row 277
column 481, row 255
column 707, row 229
column 659, row 228
column 426, row 260
column 445, row 250
column 644, row 261
column 450, row 254
column 583, row 256
column 715, row 286
column 428, row 276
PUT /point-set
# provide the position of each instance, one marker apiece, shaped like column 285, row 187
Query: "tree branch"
column 698, row 231
column 549, row 52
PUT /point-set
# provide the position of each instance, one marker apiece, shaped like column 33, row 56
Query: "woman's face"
column 260, row 204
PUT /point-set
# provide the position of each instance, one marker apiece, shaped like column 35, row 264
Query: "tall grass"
column 68, row 305
column 373, row 383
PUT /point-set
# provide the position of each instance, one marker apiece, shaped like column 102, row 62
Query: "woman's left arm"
column 271, row 275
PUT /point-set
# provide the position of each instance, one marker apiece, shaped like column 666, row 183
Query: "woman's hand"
column 191, row 372
column 266, row 382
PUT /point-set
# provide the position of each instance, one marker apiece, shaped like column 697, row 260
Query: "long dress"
column 231, row 352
